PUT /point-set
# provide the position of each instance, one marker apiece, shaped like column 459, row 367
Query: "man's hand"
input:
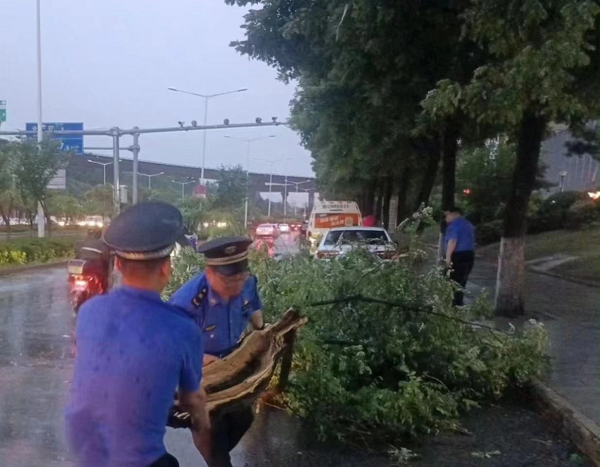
column 208, row 359
column 256, row 319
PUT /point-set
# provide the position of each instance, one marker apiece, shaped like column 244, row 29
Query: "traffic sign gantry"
column 69, row 142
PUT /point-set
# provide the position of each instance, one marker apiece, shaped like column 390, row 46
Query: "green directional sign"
column 2, row 111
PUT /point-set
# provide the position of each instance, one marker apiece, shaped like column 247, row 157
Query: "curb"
column 582, row 431
column 546, row 273
column 33, row 267
column 564, row 278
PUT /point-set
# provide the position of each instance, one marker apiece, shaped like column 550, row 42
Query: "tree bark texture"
column 387, row 196
column 449, row 145
column 511, row 263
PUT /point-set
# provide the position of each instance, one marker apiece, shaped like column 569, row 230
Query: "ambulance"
column 329, row 214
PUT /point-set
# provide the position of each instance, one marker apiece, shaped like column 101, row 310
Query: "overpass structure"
column 91, row 164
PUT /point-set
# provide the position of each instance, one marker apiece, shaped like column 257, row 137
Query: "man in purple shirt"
column 134, row 351
column 459, row 243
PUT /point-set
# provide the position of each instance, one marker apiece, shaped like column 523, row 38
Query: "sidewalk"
column 571, row 314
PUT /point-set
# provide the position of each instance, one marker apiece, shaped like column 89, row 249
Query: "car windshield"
column 355, row 236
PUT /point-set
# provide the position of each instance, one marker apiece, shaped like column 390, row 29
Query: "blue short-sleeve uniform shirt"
column 461, row 230
column 133, row 351
column 222, row 323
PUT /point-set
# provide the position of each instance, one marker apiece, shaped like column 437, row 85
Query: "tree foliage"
column 230, row 190
column 404, row 366
column 35, row 165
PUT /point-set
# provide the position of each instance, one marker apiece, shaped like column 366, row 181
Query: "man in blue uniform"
column 223, row 300
column 134, row 351
column 459, row 245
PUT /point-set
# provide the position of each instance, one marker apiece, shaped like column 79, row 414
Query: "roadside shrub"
column 403, row 366
column 581, row 213
column 489, row 232
column 40, row 250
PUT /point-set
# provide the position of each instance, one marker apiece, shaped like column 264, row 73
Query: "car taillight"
column 81, row 283
column 389, row 254
column 326, row 254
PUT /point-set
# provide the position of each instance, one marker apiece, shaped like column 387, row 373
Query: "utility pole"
column 40, row 123
column 116, row 191
column 135, row 148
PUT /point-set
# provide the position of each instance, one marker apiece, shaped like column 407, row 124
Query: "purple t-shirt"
column 461, row 230
column 133, row 351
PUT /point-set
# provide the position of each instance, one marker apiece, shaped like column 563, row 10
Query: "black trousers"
column 462, row 263
column 228, row 430
column 166, row 461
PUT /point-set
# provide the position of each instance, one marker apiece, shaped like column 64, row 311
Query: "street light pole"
column 273, row 161
column 103, row 164
column 183, row 184
column 150, row 176
column 248, row 143
column 40, row 130
column 206, row 97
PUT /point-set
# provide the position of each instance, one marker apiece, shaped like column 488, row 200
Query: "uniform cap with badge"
column 228, row 255
column 145, row 231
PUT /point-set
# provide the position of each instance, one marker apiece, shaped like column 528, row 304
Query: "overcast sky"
column 109, row 62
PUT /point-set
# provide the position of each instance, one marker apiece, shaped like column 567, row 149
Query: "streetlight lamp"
column 271, row 162
column 563, row 174
column 248, row 143
column 150, row 177
column 206, row 97
column 103, row 164
column 183, row 184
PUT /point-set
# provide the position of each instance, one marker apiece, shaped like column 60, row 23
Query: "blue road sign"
column 69, row 142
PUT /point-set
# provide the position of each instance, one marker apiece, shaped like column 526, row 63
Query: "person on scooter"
column 97, row 256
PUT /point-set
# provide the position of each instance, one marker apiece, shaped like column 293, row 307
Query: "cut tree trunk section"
column 240, row 377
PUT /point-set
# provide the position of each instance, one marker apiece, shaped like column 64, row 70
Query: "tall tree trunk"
column 430, row 174
column 511, row 262
column 387, row 196
column 404, row 205
column 378, row 203
column 449, row 145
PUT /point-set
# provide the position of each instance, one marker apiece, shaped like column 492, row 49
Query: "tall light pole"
column 206, row 98
column 183, row 184
column 150, row 176
column 563, row 174
column 272, row 162
column 103, row 164
column 248, row 144
column 40, row 129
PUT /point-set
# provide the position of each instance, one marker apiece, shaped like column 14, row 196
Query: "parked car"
column 284, row 228
column 267, row 230
column 339, row 241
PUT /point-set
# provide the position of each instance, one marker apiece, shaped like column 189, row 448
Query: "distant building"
column 579, row 172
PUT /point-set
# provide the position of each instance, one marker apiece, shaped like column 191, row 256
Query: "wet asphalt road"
column 36, row 361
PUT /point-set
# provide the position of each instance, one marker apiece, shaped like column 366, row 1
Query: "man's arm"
column 450, row 247
column 195, row 404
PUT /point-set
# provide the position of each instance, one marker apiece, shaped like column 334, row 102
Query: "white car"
column 284, row 228
column 267, row 230
column 339, row 241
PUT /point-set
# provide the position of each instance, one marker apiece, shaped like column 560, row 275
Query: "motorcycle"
column 84, row 282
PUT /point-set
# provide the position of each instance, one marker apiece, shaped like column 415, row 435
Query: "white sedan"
column 284, row 228
column 267, row 230
column 340, row 240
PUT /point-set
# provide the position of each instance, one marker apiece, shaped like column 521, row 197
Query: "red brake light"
column 81, row 283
